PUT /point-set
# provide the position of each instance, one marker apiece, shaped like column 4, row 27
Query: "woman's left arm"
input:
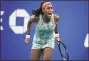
column 56, row 18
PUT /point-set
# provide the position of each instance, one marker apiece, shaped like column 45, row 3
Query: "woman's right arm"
column 32, row 20
column 29, row 25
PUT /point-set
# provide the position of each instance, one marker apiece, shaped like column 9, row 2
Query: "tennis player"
column 45, row 33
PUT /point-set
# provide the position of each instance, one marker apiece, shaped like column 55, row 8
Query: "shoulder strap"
column 41, row 19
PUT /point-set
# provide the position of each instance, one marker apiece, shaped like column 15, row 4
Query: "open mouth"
column 49, row 13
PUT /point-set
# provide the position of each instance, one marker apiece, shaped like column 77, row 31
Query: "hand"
column 57, row 39
column 27, row 40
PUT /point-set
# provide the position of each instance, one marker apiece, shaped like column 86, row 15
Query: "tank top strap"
column 40, row 20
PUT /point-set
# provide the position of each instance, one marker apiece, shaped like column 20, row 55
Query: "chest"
column 45, row 27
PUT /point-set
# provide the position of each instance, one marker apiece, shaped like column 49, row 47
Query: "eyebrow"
column 50, row 7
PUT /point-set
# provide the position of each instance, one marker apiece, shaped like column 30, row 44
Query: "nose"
column 50, row 10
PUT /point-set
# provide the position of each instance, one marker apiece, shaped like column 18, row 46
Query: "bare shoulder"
column 34, row 19
column 56, row 17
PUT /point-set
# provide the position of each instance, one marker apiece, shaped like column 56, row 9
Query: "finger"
column 58, row 39
column 27, row 42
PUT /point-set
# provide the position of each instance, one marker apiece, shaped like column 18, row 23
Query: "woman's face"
column 48, row 10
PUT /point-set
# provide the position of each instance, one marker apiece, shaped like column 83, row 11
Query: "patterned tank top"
column 44, row 31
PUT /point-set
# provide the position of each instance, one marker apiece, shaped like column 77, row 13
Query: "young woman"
column 45, row 33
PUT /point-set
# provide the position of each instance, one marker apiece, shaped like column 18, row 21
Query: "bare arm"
column 57, row 38
column 56, row 17
column 32, row 20
column 56, row 29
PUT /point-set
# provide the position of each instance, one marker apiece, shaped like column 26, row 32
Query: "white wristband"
column 57, row 35
column 27, row 36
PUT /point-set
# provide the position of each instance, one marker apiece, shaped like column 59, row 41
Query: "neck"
column 46, row 18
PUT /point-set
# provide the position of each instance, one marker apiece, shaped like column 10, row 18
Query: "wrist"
column 56, row 34
column 27, row 36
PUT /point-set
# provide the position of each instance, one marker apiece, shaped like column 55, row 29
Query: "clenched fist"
column 27, row 40
column 57, row 39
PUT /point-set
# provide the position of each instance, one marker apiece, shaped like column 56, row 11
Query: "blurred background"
column 72, row 27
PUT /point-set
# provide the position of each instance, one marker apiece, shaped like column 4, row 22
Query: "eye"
column 49, row 7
